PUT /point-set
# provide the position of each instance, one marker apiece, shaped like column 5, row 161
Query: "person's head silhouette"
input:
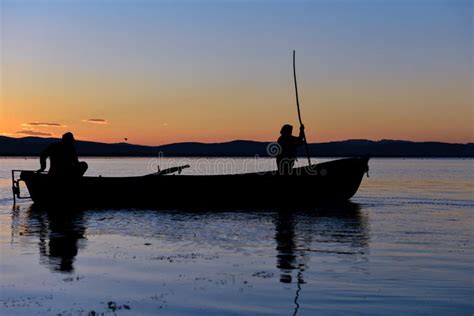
column 68, row 138
column 286, row 130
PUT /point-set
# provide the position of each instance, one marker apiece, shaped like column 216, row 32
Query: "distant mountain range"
column 32, row 146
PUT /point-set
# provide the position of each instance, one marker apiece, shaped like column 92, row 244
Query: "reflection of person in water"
column 342, row 226
column 288, row 148
column 63, row 158
column 340, row 230
column 60, row 236
column 65, row 233
column 287, row 258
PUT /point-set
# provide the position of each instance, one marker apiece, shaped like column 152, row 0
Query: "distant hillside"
column 32, row 146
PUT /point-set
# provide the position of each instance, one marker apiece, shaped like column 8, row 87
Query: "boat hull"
column 334, row 181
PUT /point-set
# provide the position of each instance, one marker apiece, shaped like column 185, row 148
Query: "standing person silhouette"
column 63, row 158
column 288, row 148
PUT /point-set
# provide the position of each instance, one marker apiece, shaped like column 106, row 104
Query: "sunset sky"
column 158, row 72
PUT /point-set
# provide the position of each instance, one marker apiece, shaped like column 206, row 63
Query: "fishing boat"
column 333, row 181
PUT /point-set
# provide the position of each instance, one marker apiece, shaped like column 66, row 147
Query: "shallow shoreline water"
column 402, row 246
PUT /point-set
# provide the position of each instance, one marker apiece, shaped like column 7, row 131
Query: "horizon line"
column 244, row 140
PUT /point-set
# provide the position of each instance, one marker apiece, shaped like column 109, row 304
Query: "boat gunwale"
column 299, row 171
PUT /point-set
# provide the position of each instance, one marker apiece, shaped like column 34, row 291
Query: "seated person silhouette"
column 63, row 158
column 288, row 146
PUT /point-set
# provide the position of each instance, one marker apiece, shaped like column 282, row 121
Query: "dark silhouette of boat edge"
column 328, row 182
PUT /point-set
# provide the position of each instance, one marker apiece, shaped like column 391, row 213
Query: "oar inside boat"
column 171, row 170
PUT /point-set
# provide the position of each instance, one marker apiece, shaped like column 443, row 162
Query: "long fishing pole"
column 299, row 112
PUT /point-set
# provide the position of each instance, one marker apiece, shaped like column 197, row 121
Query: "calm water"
column 405, row 246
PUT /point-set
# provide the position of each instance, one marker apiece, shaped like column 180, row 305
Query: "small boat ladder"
column 16, row 187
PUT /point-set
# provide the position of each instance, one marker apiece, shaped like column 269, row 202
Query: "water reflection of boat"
column 338, row 229
column 330, row 181
column 298, row 234
column 60, row 235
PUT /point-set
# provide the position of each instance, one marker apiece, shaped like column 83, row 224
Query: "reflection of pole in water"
column 297, row 296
